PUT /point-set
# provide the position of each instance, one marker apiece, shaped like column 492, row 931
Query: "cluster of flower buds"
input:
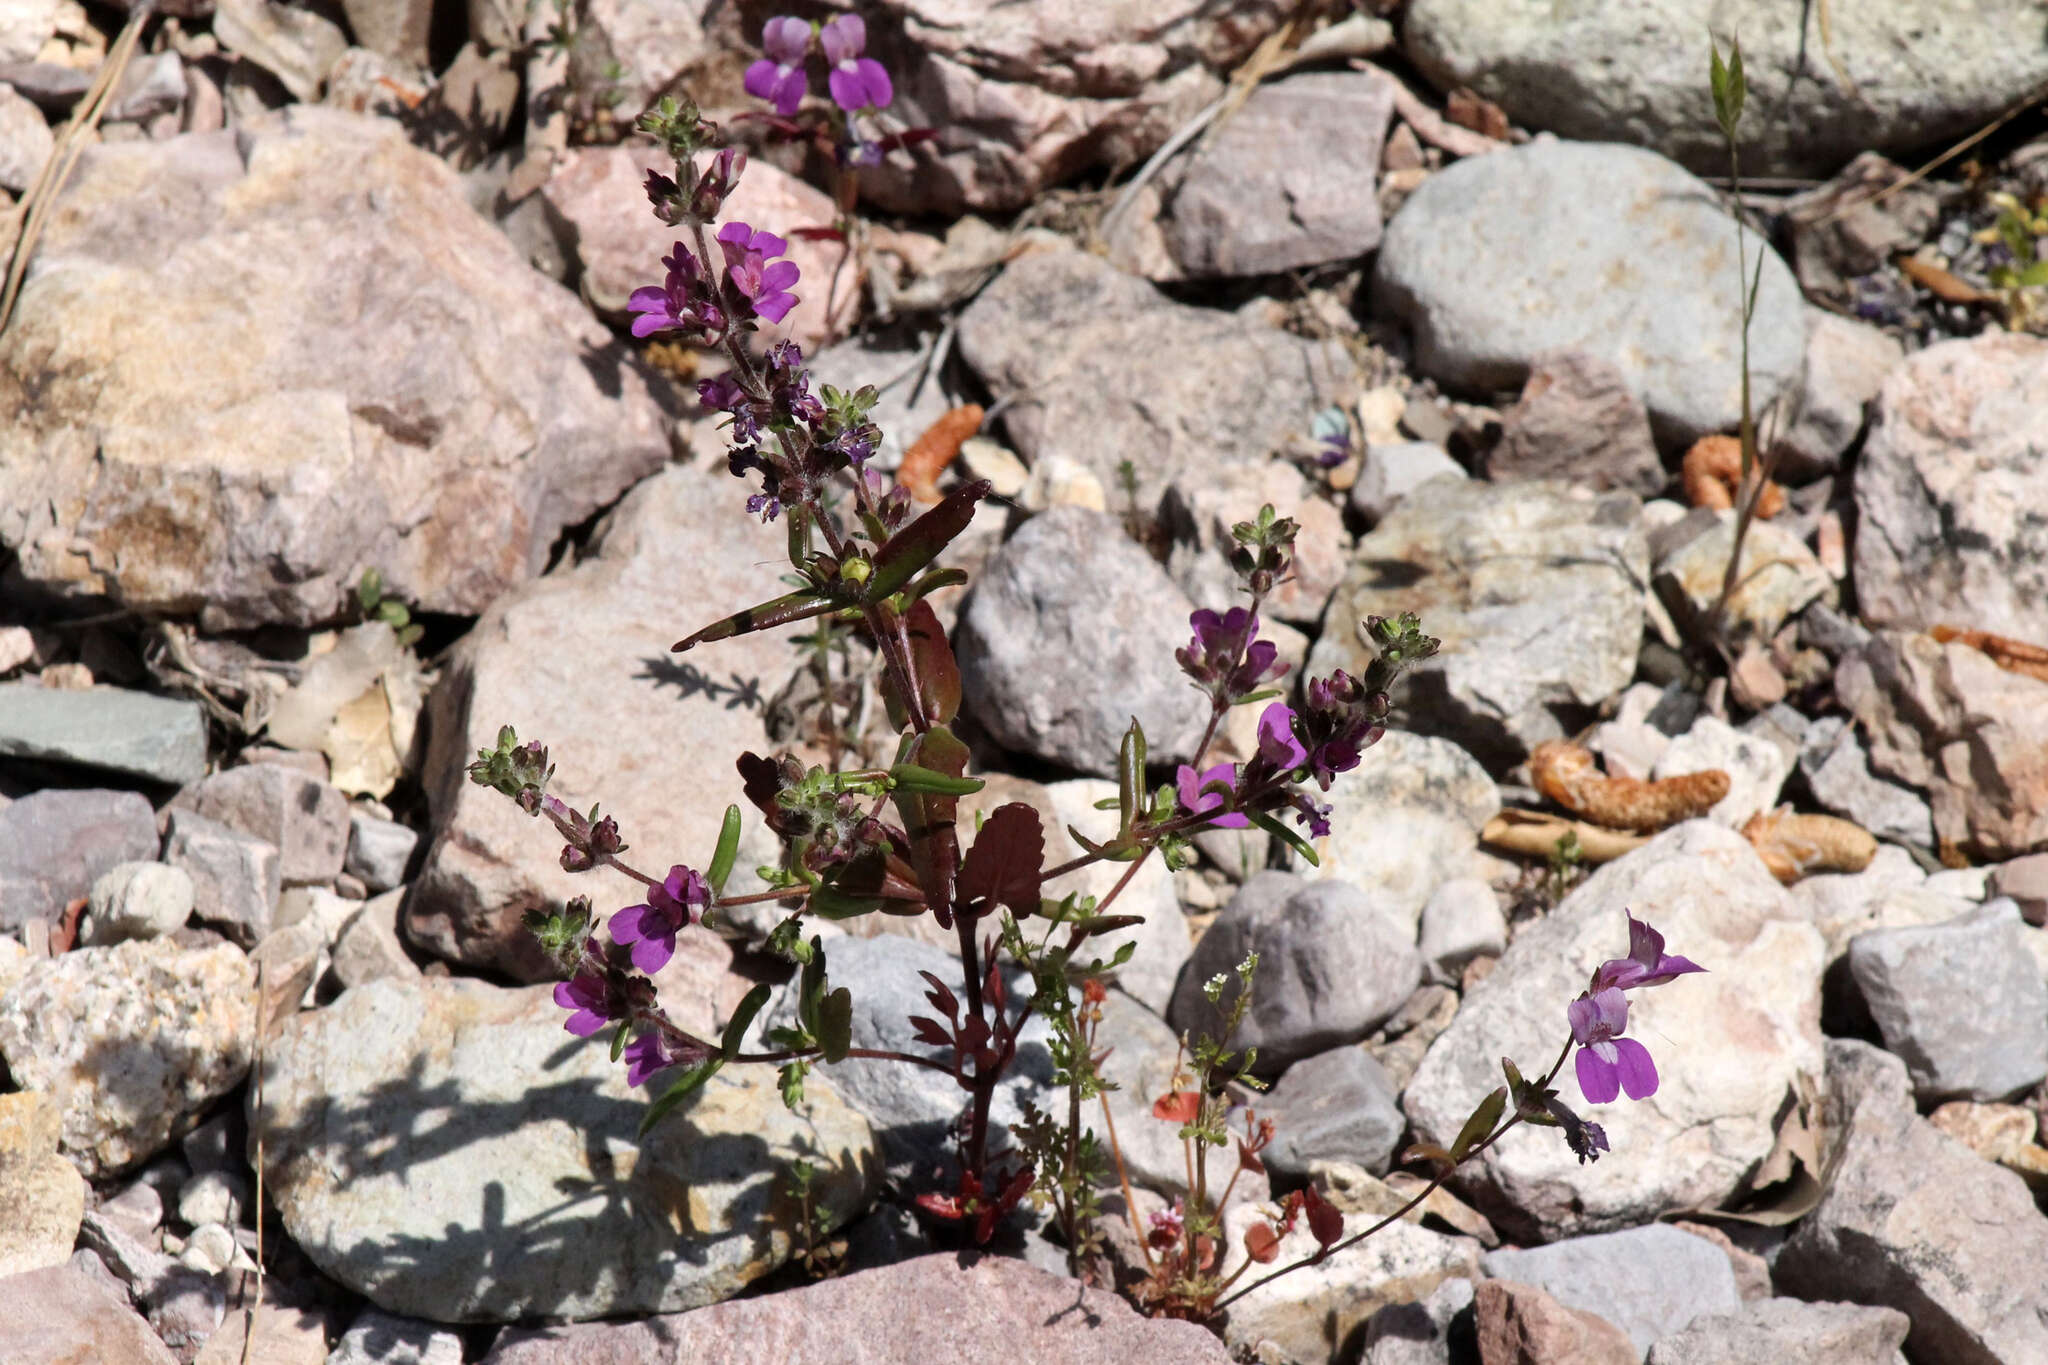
column 818, row 435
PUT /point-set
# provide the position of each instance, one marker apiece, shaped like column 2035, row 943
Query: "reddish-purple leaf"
column 930, row 1031
column 1178, row 1106
column 1324, row 1221
column 1004, row 865
column 938, row 674
column 941, row 996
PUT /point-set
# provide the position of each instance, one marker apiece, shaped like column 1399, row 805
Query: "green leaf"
column 1130, row 778
column 618, row 1041
column 728, row 850
column 728, row 1048
column 393, row 614
column 914, row 778
column 835, row 1024
column 1288, row 836
column 795, row 606
column 2037, row 273
column 742, row 1019
column 1514, row 1075
column 369, row 588
column 1481, row 1123
column 829, row 902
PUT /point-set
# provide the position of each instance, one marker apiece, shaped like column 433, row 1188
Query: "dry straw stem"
column 2014, row 656
column 1712, row 472
column 1793, row 846
column 937, row 448
column 1566, row 774
column 1536, row 833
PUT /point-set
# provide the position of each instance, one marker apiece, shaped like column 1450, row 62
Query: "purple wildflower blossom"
column 1226, row 658
column 1607, row 1062
column 652, row 1052
column 1196, row 801
column 651, row 927
column 779, row 77
column 748, row 266
column 588, row 999
column 856, row 81
column 1277, row 742
column 1647, row 964
column 1313, row 816
column 682, row 300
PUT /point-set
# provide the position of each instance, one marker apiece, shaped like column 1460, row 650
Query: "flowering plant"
column 858, row 841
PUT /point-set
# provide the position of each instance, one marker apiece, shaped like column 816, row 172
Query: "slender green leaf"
column 795, row 606
column 1481, row 1123
column 742, row 1019
column 914, row 778
column 618, row 1041
column 729, row 1046
column 829, row 902
column 727, row 851
column 1288, row 836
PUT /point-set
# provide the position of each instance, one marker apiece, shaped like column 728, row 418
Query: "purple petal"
column 583, row 1023
column 1599, row 1079
column 774, row 307
column 1584, row 1017
column 1276, row 738
column 844, row 38
column 768, row 244
column 847, row 91
column 875, row 80
column 565, row 996
column 779, row 276
column 630, row 924
column 790, row 89
column 1638, row 1072
column 648, row 298
column 652, row 953
column 1612, row 1006
column 761, row 78
column 786, row 38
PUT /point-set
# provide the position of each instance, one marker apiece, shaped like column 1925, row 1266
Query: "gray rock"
column 1578, row 418
column 378, row 850
column 297, row 46
column 1639, row 268
column 1420, row 1333
column 1391, row 472
column 55, row 844
column 1070, row 86
column 912, row 1108
column 414, row 1132
column 395, row 28
column 234, row 876
column 1335, row 1106
column 1144, row 1058
column 1461, row 920
column 1405, row 820
column 425, row 441
column 64, row 1313
column 1612, row 74
column 138, row 900
column 962, row 1306
column 1491, row 569
column 1333, row 962
column 1287, row 181
column 2025, row 880
column 1945, row 502
column 378, row 1338
column 1974, row 736
column 1648, row 1281
column 1961, row 1002
column 1787, row 1329
column 1822, row 626
column 1779, row 575
column 131, row 733
column 138, row 1039
column 209, row 1249
column 1846, row 365
column 1756, row 767
column 153, row 85
column 1697, row 1140
column 25, row 26
column 1837, row 771
column 1912, row 1219
column 580, row 661
column 1069, row 633
column 304, row 818
column 1100, row 367
column 368, row 946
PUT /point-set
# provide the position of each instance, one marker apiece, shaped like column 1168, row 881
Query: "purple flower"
column 856, row 81
column 589, row 1000
column 779, row 77
column 747, row 266
column 1277, row 744
column 1226, row 657
column 651, row 927
column 1313, row 816
column 1607, row 1062
column 682, row 300
column 653, row 1052
column 1647, row 964
column 1195, row 800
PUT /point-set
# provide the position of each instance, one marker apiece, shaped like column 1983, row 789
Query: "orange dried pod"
column 1712, row 473
column 2014, row 656
column 1566, row 774
column 1793, row 846
column 937, row 448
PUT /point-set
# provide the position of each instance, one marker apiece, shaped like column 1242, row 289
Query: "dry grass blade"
column 928, row 457
column 71, row 144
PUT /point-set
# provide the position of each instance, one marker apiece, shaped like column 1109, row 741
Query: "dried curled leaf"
column 1793, row 846
column 1565, row 773
column 937, row 448
column 1713, row 474
column 2014, row 656
column 1535, row 834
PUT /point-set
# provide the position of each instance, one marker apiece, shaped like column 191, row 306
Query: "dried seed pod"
column 1793, row 846
column 937, row 448
column 1535, row 834
column 2014, row 656
column 1565, row 773
column 1713, row 475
